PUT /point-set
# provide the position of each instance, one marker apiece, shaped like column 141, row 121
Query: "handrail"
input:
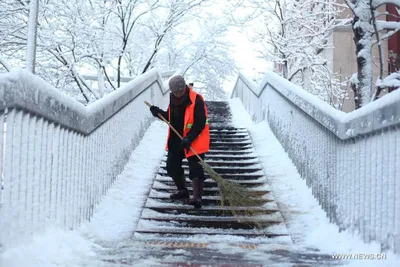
column 38, row 97
column 349, row 161
column 58, row 157
column 380, row 114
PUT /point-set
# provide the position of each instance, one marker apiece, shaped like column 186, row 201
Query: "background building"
column 343, row 53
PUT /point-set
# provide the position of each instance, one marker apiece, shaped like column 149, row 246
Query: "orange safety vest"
column 202, row 143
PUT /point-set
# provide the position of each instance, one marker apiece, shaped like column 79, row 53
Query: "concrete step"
column 225, row 158
column 246, row 152
column 206, row 200
column 231, row 144
column 220, row 222
column 211, row 183
column 229, row 157
column 171, row 232
column 210, row 210
column 221, row 163
column 229, row 131
column 213, row 191
column 240, row 136
column 230, row 139
column 228, row 170
column 242, row 178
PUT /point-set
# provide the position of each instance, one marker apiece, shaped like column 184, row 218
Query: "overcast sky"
column 246, row 57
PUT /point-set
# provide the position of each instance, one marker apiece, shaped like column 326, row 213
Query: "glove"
column 154, row 110
column 185, row 144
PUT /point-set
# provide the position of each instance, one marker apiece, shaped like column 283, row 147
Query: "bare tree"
column 205, row 58
column 128, row 13
column 177, row 11
column 110, row 38
column 294, row 35
column 13, row 22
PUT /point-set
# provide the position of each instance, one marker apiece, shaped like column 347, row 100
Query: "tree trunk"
column 32, row 35
column 285, row 69
column 125, row 42
column 363, row 42
column 4, row 63
column 357, row 97
column 149, row 61
column 119, row 71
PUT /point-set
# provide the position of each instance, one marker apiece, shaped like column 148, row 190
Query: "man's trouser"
column 174, row 165
column 196, row 174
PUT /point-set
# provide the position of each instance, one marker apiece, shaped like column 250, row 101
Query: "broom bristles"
column 232, row 193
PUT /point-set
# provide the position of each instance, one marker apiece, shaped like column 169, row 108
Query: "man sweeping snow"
column 187, row 113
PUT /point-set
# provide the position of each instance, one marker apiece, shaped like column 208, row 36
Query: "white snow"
column 117, row 215
column 306, row 221
column 354, row 79
column 350, row 132
column 310, row 103
column 24, row 80
column 393, row 80
column 288, row 88
column 53, row 248
column 136, row 83
column 114, row 220
column 387, row 25
column 241, row 118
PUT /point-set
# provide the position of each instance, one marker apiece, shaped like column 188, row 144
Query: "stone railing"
column 58, row 157
column 350, row 161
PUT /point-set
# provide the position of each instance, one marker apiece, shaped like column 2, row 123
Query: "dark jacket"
column 177, row 120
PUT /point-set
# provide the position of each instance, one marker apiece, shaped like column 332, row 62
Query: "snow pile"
column 393, row 80
column 53, row 248
column 119, row 211
column 240, row 117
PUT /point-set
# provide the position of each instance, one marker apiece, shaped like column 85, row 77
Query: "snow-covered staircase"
column 231, row 156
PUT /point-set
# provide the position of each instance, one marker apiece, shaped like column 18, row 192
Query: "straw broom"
column 230, row 192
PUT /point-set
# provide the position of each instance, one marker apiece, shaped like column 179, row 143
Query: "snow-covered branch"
column 387, row 25
column 295, row 35
column 393, row 80
column 4, row 63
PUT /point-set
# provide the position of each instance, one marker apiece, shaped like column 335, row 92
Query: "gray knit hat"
column 176, row 83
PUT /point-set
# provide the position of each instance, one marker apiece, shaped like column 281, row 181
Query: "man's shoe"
column 181, row 194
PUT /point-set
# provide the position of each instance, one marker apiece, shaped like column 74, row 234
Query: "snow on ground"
column 119, row 211
column 113, row 221
column 240, row 117
column 54, row 248
column 306, row 221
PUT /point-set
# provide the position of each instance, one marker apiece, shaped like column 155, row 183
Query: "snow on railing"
column 350, row 161
column 58, row 157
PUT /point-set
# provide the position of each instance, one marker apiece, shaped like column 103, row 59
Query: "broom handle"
column 172, row 127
